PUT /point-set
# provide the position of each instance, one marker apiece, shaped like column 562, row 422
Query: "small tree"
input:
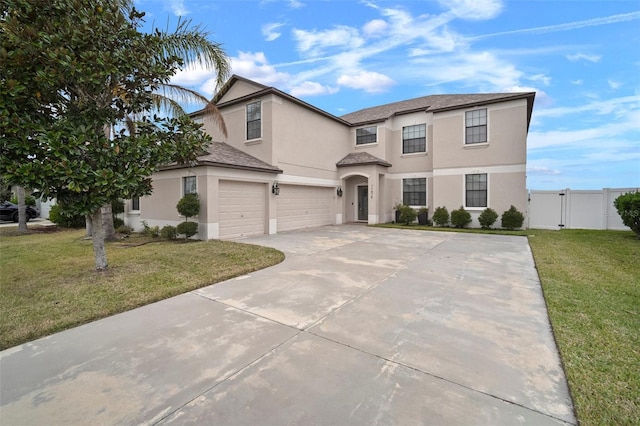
column 628, row 206
column 441, row 216
column 188, row 206
column 512, row 219
column 487, row 218
column 407, row 214
column 460, row 218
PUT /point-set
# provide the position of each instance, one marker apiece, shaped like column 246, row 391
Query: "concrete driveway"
column 358, row 326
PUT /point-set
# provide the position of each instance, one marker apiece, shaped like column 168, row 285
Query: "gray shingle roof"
column 361, row 159
column 429, row 103
column 222, row 155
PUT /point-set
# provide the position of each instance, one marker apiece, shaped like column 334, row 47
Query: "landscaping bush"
column 124, row 229
column 169, row 232
column 189, row 206
column 150, row 231
column 407, row 214
column 628, row 206
column 59, row 216
column 460, row 218
column 188, row 229
column 29, row 200
column 512, row 219
column 441, row 216
column 117, row 222
column 117, row 206
column 423, row 216
column 487, row 218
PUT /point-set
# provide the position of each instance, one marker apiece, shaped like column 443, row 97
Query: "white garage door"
column 241, row 209
column 304, row 207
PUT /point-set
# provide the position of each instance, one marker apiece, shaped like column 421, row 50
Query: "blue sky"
column 581, row 57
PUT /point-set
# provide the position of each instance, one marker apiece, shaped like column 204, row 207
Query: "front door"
column 363, row 203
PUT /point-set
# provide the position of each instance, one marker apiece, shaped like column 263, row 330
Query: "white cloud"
column 620, row 106
column 295, row 4
column 192, row 75
column 577, row 82
column 177, row 7
column 614, row 84
column 316, row 42
column 473, row 10
column 375, row 28
column 542, row 98
column 584, row 57
column 255, row 66
column 311, row 88
column 546, row 80
column 543, row 171
column 371, row 82
column 269, row 31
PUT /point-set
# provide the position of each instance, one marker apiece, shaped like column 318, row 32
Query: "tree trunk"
column 107, row 223
column 88, row 224
column 22, row 210
column 99, row 250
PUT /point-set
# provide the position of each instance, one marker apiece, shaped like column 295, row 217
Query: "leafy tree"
column 460, row 218
column 628, row 207
column 512, row 219
column 71, row 69
column 189, row 206
column 487, row 218
column 441, row 216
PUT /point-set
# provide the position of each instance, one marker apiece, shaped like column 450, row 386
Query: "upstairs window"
column 366, row 135
column 476, row 190
column 254, row 121
column 189, row 185
column 414, row 139
column 476, row 126
column 414, row 191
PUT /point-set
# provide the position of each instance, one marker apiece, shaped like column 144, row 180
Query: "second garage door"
column 241, row 209
column 304, row 207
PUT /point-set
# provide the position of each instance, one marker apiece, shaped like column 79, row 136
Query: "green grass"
column 591, row 283
column 48, row 282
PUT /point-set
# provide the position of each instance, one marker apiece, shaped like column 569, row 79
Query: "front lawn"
column 48, row 282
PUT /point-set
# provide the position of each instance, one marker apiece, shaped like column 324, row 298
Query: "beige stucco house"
column 288, row 165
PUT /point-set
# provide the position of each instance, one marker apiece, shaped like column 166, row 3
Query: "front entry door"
column 363, row 203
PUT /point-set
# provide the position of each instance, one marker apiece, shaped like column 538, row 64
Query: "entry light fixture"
column 275, row 189
column 339, row 191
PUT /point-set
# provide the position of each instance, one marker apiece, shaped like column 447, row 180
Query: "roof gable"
column 237, row 87
column 361, row 159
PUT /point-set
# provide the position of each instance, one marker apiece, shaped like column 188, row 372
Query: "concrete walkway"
column 358, row 326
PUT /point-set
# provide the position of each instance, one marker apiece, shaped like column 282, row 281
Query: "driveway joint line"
column 436, row 376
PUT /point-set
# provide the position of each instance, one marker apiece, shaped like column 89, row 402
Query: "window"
column 414, row 139
column 135, row 203
column 254, row 120
column 189, row 185
column 476, row 126
column 366, row 135
column 414, row 191
column 476, row 190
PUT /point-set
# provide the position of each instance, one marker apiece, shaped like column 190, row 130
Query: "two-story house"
column 288, row 165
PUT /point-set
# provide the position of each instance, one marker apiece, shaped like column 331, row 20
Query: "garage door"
column 241, row 209
column 304, row 207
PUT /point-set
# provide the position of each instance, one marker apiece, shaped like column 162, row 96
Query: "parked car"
column 9, row 211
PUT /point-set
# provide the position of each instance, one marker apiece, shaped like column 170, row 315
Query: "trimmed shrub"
column 512, row 219
column 124, row 229
column 628, row 206
column 117, row 222
column 487, row 218
column 407, row 214
column 188, row 229
column 169, row 232
column 59, row 216
column 150, row 231
column 189, row 206
column 441, row 216
column 460, row 218
column 423, row 216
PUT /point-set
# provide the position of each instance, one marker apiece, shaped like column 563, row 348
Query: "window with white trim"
column 189, row 185
column 414, row 139
column 414, row 191
column 476, row 126
column 254, row 121
column 476, row 190
column 366, row 135
column 135, row 203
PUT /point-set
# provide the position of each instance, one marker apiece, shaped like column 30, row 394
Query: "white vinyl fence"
column 576, row 209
